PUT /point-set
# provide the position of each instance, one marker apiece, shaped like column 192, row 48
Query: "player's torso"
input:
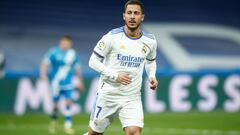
column 58, row 59
column 62, row 66
column 126, row 55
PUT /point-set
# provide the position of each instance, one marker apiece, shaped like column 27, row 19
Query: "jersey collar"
column 132, row 38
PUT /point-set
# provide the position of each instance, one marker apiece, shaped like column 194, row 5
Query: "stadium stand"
column 29, row 28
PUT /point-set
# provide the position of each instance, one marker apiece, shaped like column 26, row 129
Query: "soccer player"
column 120, row 57
column 64, row 64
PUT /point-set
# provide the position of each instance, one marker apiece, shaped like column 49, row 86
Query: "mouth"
column 132, row 22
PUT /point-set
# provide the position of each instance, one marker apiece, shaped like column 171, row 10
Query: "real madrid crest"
column 144, row 49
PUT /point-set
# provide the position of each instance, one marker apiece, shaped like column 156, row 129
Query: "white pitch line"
column 171, row 131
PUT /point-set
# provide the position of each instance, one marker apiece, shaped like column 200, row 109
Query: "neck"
column 134, row 33
column 64, row 49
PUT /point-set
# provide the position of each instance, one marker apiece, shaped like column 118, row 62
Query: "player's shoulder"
column 71, row 50
column 53, row 50
column 116, row 31
column 149, row 39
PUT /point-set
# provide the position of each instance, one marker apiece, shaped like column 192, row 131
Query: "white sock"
column 86, row 133
column 68, row 124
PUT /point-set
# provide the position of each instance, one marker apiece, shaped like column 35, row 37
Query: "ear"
column 124, row 16
column 143, row 16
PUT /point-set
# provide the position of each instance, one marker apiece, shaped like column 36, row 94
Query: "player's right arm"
column 43, row 71
column 101, row 51
column 45, row 64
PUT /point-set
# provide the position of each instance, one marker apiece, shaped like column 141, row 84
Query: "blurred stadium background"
column 198, row 63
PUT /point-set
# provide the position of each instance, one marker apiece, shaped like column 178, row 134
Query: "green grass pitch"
column 167, row 123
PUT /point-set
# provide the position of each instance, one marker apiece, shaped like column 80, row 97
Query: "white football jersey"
column 122, row 53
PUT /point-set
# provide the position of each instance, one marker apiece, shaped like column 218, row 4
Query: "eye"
column 129, row 12
column 136, row 13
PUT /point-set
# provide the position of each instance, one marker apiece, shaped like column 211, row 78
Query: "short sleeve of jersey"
column 152, row 54
column 49, row 56
column 103, row 46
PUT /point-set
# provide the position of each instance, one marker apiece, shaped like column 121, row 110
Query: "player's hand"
column 124, row 78
column 154, row 83
column 80, row 87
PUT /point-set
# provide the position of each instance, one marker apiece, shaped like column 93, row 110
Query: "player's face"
column 65, row 44
column 133, row 16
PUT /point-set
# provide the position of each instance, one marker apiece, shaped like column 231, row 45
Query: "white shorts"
column 130, row 113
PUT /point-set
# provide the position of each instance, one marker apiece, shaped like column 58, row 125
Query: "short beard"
column 133, row 29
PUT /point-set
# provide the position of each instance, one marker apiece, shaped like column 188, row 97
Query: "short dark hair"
column 66, row 37
column 134, row 2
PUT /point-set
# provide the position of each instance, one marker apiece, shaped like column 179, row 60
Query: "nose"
column 132, row 15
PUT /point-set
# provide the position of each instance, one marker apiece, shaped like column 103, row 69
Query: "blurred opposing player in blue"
column 120, row 57
column 64, row 64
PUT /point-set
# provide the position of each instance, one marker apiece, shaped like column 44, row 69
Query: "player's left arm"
column 151, row 66
column 77, row 67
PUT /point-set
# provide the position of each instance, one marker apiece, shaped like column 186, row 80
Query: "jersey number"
column 99, row 110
